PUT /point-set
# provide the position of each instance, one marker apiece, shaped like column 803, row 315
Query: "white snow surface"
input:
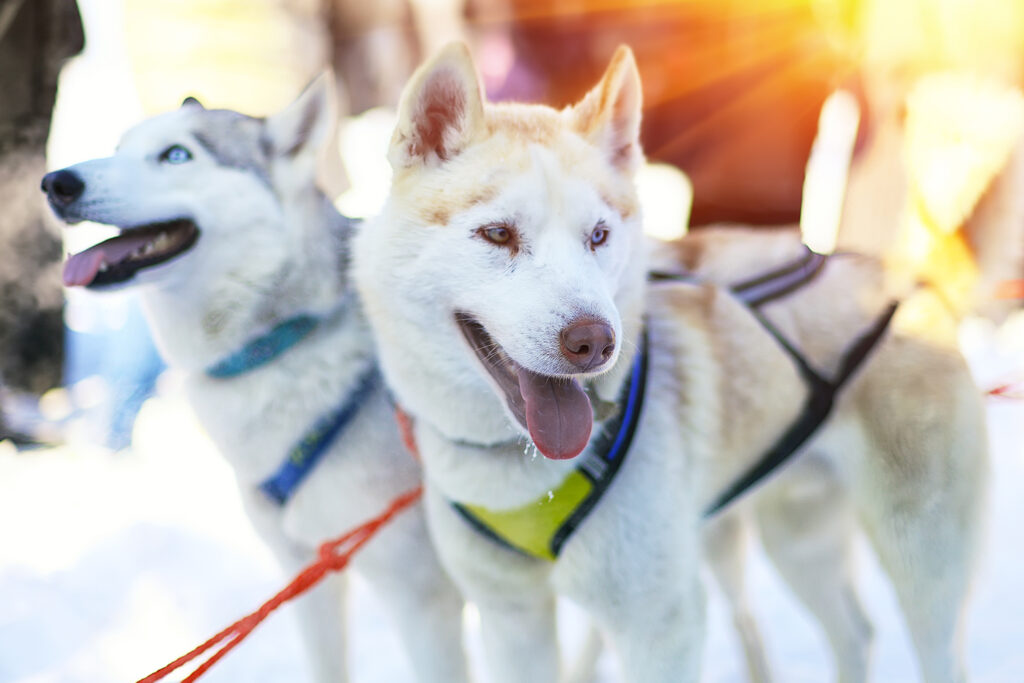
column 113, row 564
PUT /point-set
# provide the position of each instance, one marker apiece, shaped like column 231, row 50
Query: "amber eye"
column 502, row 234
column 599, row 235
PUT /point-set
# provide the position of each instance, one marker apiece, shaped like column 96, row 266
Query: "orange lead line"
column 333, row 556
column 1012, row 390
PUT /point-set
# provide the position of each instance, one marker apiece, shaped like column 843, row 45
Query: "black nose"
column 62, row 187
column 588, row 343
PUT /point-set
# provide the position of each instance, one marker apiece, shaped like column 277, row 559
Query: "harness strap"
column 304, row 455
column 540, row 528
column 817, row 407
column 820, row 400
column 265, row 348
column 764, row 288
column 780, row 282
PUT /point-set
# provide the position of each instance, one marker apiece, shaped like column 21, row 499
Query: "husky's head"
column 192, row 191
column 508, row 258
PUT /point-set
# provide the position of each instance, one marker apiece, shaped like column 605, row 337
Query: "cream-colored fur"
column 271, row 246
column 903, row 457
column 904, row 454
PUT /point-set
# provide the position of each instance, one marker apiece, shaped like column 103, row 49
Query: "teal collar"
column 266, row 347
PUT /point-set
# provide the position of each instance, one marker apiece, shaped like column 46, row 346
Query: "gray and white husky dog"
column 506, row 284
column 242, row 267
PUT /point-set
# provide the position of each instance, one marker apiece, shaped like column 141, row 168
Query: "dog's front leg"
column 660, row 639
column 725, row 548
column 423, row 602
column 511, row 591
column 321, row 610
column 520, row 640
column 643, row 592
column 321, row 614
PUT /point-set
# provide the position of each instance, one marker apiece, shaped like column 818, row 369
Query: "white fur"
column 720, row 390
column 643, row 590
column 272, row 246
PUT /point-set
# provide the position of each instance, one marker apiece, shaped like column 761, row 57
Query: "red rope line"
column 408, row 432
column 1013, row 390
column 333, row 556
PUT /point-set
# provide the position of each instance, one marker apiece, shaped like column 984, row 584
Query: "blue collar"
column 310, row 449
column 265, row 348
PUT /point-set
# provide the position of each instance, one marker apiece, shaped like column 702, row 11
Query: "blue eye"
column 599, row 235
column 176, row 154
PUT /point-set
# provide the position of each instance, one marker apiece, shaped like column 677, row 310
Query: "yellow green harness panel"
column 531, row 527
column 540, row 528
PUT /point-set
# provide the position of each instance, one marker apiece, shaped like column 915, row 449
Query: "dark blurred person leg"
column 36, row 36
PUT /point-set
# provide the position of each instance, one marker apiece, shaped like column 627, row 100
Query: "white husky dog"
column 242, row 265
column 506, row 284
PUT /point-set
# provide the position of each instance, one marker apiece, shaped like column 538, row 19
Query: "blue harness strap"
column 304, row 455
column 540, row 528
column 265, row 348
column 611, row 446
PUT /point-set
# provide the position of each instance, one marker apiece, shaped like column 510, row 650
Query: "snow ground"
column 112, row 564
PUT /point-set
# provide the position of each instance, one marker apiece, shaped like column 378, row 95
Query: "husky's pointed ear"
column 191, row 103
column 306, row 124
column 609, row 115
column 440, row 112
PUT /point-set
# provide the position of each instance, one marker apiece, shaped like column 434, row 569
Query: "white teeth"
column 103, row 267
column 161, row 241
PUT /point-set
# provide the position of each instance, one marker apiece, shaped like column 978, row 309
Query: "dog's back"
column 903, row 454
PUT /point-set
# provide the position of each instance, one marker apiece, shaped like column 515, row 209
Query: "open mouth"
column 554, row 410
column 119, row 258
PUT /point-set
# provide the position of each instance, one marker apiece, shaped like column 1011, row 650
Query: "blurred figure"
column 939, row 187
column 111, row 365
column 732, row 88
column 35, row 39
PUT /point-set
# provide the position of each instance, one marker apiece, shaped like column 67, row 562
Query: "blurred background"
column 105, row 519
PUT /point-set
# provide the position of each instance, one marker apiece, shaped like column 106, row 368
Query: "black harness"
column 540, row 527
column 822, row 391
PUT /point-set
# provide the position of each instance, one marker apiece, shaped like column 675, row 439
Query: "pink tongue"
column 81, row 269
column 558, row 414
